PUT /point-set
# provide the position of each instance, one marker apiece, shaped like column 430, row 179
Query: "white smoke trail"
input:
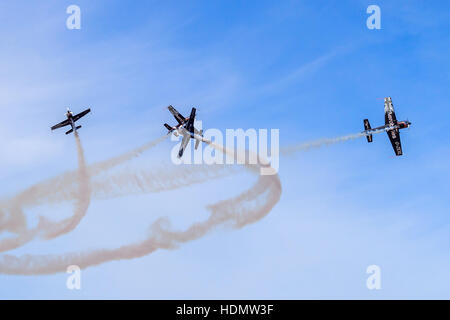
column 120, row 184
column 166, row 178
column 45, row 228
column 289, row 150
column 54, row 189
column 83, row 198
column 238, row 212
column 115, row 161
column 249, row 207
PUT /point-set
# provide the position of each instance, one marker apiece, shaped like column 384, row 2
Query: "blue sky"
column 309, row 68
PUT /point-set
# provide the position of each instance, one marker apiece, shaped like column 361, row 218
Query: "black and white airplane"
column 185, row 127
column 71, row 119
column 392, row 127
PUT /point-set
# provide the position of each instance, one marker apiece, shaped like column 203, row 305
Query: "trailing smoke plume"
column 244, row 209
column 249, row 207
column 323, row 142
column 45, row 228
column 60, row 187
column 83, row 199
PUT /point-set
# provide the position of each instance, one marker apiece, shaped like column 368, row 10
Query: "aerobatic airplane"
column 392, row 127
column 71, row 119
column 185, row 127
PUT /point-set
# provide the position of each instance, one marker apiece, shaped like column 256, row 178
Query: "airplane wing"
column 394, row 136
column 81, row 115
column 177, row 115
column 61, row 124
column 190, row 124
column 184, row 143
column 389, row 114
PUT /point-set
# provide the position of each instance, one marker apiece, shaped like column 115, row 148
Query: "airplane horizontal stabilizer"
column 168, row 127
column 368, row 127
column 70, row 131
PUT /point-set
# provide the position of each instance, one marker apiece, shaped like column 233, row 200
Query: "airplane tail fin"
column 368, row 127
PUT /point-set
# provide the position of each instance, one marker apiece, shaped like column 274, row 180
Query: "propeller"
column 409, row 123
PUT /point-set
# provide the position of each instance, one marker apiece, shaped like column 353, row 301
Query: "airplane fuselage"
column 400, row 125
column 179, row 129
column 182, row 131
column 69, row 116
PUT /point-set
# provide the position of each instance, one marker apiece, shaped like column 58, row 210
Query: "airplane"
column 71, row 119
column 185, row 127
column 392, row 127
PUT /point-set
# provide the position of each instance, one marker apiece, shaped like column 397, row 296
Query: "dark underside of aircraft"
column 392, row 127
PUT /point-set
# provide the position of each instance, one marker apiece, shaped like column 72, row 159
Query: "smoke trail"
column 18, row 241
column 248, row 207
column 83, row 198
column 113, row 162
column 130, row 182
column 55, row 189
column 322, row 142
column 45, row 228
column 121, row 184
column 239, row 211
